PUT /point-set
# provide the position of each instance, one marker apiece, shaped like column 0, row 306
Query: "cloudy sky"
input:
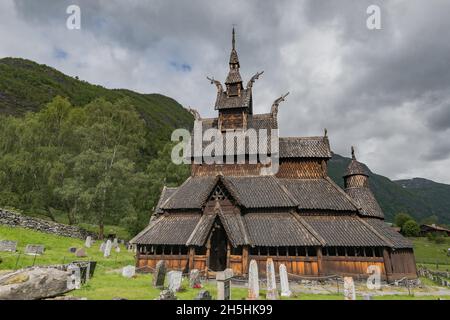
column 385, row 91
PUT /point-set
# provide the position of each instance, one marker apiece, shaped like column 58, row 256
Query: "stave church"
column 225, row 215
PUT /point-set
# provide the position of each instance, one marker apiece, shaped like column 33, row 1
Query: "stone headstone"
column 285, row 291
column 34, row 249
column 253, row 281
column 160, row 274
column 102, row 247
column 203, row 295
column 128, row 271
column 115, row 243
column 81, row 253
column 117, row 249
column 223, row 279
column 349, row 289
column 88, row 242
column 8, row 246
column 194, row 279
column 74, row 280
column 108, row 248
column 271, row 293
column 174, row 279
column 73, row 249
column 166, row 295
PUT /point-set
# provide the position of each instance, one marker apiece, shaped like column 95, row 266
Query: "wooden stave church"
column 225, row 215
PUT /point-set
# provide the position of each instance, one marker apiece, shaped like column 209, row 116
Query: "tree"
column 410, row 228
column 401, row 218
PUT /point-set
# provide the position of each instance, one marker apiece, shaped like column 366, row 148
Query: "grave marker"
column 223, row 280
column 8, row 246
column 271, row 293
column 174, row 279
column 34, row 249
column 253, row 281
column 349, row 289
column 160, row 274
column 88, row 242
column 194, row 279
column 285, row 291
column 108, row 248
column 128, row 271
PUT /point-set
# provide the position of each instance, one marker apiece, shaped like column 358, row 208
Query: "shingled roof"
column 224, row 101
column 397, row 240
column 346, row 231
column 264, row 192
column 366, row 201
column 277, row 229
column 165, row 194
column 305, row 147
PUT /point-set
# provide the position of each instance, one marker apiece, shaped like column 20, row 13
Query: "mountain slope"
column 420, row 202
column 28, row 86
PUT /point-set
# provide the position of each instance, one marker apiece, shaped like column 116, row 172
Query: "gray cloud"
column 385, row 91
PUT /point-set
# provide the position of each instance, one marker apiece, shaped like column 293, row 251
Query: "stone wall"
column 17, row 220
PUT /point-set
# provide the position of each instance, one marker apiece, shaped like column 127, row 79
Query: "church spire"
column 234, row 80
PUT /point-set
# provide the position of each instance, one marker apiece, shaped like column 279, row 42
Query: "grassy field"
column 108, row 282
column 431, row 254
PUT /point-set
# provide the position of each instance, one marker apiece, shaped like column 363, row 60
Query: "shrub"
column 410, row 228
column 401, row 218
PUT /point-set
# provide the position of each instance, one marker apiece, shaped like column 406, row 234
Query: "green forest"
column 85, row 163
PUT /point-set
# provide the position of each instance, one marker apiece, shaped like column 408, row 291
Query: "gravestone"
column 271, row 293
column 108, row 248
column 253, row 281
column 81, row 253
column 34, row 249
column 203, row 295
column 102, row 247
column 74, row 279
column 349, row 289
column 88, row 242
column 73, row 249
column 115, row 243
column 223, row 280
column 194, row 279
column 128, row 271
column 8, row 246
column 160, row 274
column 117, row 249
column 285, row 291
column 174, row 278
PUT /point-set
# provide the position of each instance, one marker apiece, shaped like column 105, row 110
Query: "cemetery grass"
column 430, row 254
column 108, row 282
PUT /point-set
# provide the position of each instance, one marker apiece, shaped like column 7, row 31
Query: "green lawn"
column 108, row 282
column 429, row 253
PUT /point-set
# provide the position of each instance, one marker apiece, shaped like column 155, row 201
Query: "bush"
column 401, row 218
column 410, row 228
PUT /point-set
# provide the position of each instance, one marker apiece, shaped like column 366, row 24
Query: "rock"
column 73, row 249
column 33, row 284
column 203, row 295
column 166, row 295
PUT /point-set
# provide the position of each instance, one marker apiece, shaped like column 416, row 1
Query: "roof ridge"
column 288, row 193
column 352, row 201
column 200, row 221
column 309, row 228
column 178, row 188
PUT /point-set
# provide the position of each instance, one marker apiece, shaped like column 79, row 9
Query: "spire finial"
column 353, row 153
column 233, row 41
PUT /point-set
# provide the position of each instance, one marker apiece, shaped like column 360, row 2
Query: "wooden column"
column 191, row 258
column 208, row 251
column 319, row 261
column 387, row 263
column 245, row 260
